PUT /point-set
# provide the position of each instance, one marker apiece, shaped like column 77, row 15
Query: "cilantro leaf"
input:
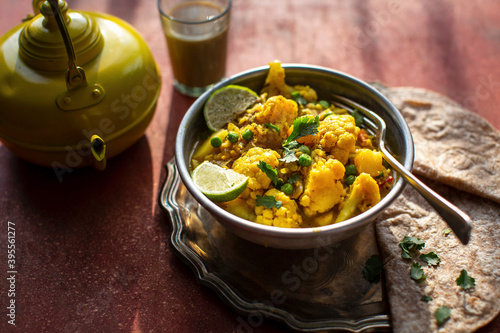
column 373, row 269
column 298, row 98
column 269, row 171
column 442, row 314
column 294, row 178
column 408, row 244
column 431, row 258
column 358, row 117
column 426, row 298
column 274, row 127
column 268, row 201
column 289, row 152
column 465, row 281
column 303, row 126
column 416, row 272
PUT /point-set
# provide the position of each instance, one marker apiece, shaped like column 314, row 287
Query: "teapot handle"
column 75, row 76
column 36, row 6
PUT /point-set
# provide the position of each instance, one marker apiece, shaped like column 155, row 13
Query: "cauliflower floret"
column 365, row 194
column 369, row 161
column 285, row 217
column 323, row 188
column 279, row 111
column 337, row 134
column 307, row 92
column 247, row 165
column 275, row 81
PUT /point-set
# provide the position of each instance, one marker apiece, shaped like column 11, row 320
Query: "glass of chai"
column 196, row 33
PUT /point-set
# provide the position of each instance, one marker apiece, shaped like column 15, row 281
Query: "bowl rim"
column 224, row 216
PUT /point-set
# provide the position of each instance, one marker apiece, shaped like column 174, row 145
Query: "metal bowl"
column 325, row 81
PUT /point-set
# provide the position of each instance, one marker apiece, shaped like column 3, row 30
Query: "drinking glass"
column 196, row 34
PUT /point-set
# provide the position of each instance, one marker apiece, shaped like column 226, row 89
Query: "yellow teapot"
column 76, row 88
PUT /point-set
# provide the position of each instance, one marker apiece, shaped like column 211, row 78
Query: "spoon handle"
column 458, row 221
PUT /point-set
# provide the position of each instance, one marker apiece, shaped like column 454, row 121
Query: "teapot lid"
column 41, row 45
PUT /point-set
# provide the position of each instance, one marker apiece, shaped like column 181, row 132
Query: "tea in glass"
column 196, row 34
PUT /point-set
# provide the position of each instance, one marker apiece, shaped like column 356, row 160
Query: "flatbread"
column 460, row 149
column 452, row 145
column 412, row 215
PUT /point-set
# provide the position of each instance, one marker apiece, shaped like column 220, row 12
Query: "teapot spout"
column 98, row 148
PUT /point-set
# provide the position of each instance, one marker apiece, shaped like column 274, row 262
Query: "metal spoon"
column 458, row 221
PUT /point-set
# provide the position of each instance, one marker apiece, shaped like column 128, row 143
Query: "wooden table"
column 93, row 253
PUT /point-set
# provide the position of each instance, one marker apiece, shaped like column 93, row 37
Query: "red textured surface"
column 93, row 252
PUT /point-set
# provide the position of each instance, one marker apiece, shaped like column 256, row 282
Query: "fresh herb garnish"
column 432, row 259
column 269, row 171
column 298, row 98
column 373, row 269
column 303, row 126
column 426, row 298
column 416, row 272
column 409, row 244
column 294, row 178
column 446, row 232
column 289, row 152
column 274, row 127
column 358, row 117
column 268, row 201
column 442, row 314
column 465, row 281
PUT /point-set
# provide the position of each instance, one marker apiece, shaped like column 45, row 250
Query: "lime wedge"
column 227, row 103
column 217, row 183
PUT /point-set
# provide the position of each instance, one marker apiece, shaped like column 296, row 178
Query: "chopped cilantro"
column 358, row 118
column 416, row 272
column 269, row 171
column 289, row 152
column 294, row 178
column 329, row 113
column 298, row 98
column 426, row 298
column 373, row 269
column 446, row 232
column 465, row 281
column 431, row 258
column 303, row 126
column 442, row 314
column 268, row 201
column 410, row 243
column 274, row 127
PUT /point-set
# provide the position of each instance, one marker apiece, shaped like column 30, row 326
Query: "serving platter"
column 312, row 290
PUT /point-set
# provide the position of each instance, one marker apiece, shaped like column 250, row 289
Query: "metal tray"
column 307, row 290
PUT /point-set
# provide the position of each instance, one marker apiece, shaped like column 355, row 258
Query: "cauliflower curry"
column 309, row 163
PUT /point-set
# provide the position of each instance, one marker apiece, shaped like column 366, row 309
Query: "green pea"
column 287, row 188
column 305, row 149
column 324, row 104
column 247, row 135
column 350, row 170
column 216, row 142
column 232, row 137
column 279, row 183
column 305, row 160
column 350, row 179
